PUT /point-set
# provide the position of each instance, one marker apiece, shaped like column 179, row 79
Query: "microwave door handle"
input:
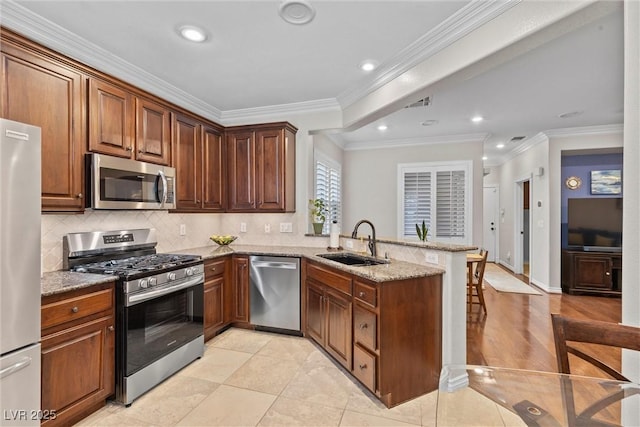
column 163, row 196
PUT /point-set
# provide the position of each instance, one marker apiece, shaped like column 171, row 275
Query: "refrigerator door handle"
column 23, row 363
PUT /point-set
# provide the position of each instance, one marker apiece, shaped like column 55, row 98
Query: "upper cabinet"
column 261, row 163
column 41, row 91
column 123, row 125
column 198, row 156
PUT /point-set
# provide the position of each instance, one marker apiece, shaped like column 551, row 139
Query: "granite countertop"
column 57, row 282
column 395, row 270
column 63, row 281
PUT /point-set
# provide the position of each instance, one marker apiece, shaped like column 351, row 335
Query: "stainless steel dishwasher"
column 274, row 293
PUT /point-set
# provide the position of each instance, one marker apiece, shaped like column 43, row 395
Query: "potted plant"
column 422, row 231
column 318, row 212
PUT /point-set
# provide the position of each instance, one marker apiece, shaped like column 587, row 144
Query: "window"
column 438, row 194
column 329, row 188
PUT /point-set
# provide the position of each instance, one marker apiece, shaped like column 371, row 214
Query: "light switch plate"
column 286, row 227
column 183, row 229
column 431, row 258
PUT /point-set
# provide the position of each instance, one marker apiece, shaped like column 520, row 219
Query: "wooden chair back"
column 593, row 332
column 479, row 274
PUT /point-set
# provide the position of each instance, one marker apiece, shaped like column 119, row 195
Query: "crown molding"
column 414, row 142
column 45, row 32
column 305, row 107
column 585, row 131
column 458, row 25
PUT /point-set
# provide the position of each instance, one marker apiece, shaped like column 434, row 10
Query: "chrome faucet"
column 372, row 242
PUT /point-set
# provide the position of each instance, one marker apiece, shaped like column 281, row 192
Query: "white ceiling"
column 253, row 59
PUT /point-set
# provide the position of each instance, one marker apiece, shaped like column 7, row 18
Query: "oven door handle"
column 145, row 296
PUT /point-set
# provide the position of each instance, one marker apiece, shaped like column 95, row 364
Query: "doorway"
column 490, row 230
column 522, row 226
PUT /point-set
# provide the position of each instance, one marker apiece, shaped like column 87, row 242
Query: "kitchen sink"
column 353, row 260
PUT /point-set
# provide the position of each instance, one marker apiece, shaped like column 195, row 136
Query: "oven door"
column 154, row 327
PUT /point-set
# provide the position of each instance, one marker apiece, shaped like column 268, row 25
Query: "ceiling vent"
column 424, row 102
column 517, row 138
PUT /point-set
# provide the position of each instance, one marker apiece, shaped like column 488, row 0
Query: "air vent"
column 424, row 102
column 517, row 138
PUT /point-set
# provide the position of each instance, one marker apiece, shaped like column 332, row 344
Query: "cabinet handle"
column 79, row 195
column 363, row 326
column 111, row 328
column 362, row 366
column 361, row 294
column 74, row 309
column 608, row 273
column 128, row 149
column 213, row 269
column 197, row 201
column 141, row 151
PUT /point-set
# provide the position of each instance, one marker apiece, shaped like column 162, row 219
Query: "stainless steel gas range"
column 159, row 304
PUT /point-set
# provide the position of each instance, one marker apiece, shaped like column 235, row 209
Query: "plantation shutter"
column 450, row 204
column 417, row 201
column 328, row 188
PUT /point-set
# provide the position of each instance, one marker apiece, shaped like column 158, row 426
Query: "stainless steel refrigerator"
column 20, row 267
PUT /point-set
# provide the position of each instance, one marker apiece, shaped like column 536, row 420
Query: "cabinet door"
column 187, row 159
column 339, row 327
column 315, row 312
column 214, row 171
column 592, row 272
column 41, row 92
column 213, row 305
column 77, row 369
column 270, row 170
column 241, row 164
column 153, row 138
column 110, row 119
column 240, row 289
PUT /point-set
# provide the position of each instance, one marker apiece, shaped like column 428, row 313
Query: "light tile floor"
column 249, row 378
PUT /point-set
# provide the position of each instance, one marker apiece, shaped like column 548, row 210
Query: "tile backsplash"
column 198, row 229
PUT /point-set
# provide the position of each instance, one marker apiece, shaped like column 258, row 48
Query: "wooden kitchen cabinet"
column 392, row 329
column 198, row 153
column 216, row 287
column 42, row 91
column 240, row 289
column 78, row 352
column 261, row 168
column 123, row 125
column 591, row 273
column 329, row 311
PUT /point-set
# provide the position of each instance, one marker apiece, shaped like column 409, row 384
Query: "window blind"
column 417, row 201
column 328, row 188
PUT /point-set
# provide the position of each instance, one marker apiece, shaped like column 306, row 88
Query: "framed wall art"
column 606, row 182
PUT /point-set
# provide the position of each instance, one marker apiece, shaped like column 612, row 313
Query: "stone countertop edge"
column 56, row 282
column 395, row 270
column 445, row 247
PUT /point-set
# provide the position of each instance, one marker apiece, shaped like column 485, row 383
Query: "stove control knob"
column 171, row 276
column 143, row 283
column 153, row 281
column 189, row 271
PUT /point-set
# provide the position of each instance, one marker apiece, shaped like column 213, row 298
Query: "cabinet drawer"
column 365, row 325
column 329, row 278
column 366, row 293
column 75, row 308
column 364, row 367
column 214, row 268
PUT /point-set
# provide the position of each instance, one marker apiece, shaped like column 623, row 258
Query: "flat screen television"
column 595, row 224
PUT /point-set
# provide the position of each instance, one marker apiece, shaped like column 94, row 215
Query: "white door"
column 491, row 202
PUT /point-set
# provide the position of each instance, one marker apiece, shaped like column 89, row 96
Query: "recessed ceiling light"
column 484, row 157
column 570, row 114
column 192, row 33
column 500, row 146
column 430, row 123
column 477, row 119
column 382, row 127
column 368, row 65
column 297, row 12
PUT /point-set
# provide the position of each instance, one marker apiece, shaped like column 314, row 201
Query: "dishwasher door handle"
column 274, row 264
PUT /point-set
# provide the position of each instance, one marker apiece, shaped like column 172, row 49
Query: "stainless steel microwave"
column 116, row 183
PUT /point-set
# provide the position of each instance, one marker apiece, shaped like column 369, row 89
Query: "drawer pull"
column 363, row 326
column 361, row 294
column 362, row 366
column 111, row 328
column 213, row 269
column 74, row 309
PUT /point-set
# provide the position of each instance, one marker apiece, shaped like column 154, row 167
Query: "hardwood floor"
column 517, row 332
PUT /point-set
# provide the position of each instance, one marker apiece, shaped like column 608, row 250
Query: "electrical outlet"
column 243, row 227
column 267, row 228
column 286, row 227
column 349, row 244
column 183, row 229
column 431, row 257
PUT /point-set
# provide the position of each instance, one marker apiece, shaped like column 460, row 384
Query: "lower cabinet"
column 216, row 288
column 387, row 334
column 240, row 289
column 78, row 352
column 592, row 273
